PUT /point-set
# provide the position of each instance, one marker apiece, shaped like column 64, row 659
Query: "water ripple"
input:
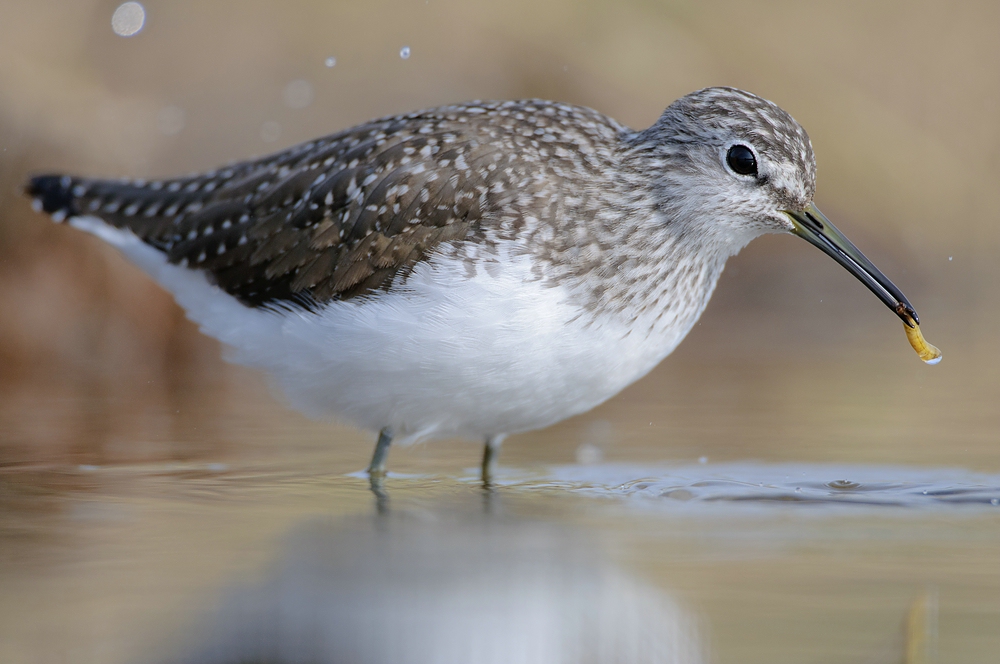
column 891, row 486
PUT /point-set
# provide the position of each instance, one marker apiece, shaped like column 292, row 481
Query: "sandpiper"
column 473, row 270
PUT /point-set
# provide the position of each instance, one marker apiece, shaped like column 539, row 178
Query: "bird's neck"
column 667, row 296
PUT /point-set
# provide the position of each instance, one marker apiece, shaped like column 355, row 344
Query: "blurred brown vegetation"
column 793, row 359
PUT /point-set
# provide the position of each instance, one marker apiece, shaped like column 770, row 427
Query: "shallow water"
column 753, row 483
column 285, row 555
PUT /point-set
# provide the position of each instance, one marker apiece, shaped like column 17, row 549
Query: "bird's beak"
column 812, row 225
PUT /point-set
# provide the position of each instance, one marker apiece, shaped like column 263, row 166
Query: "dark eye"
column 740, row 158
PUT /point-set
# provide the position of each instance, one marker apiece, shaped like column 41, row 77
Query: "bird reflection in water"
column 429, row 587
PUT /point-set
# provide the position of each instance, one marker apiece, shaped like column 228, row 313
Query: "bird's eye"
column 740, row 158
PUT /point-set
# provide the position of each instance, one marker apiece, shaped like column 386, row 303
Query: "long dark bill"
column 813, row 226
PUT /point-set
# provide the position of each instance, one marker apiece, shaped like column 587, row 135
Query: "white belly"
column 448, row 354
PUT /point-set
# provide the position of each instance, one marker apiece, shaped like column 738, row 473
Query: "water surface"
column 281, row 554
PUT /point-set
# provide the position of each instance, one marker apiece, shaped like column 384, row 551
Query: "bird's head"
column 730, row 166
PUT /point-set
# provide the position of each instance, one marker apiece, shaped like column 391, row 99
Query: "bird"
column 473, row 270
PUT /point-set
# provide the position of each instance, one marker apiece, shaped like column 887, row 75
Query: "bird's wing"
column 330, row 219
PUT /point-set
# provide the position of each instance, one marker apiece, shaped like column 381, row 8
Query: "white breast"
column 452, row 352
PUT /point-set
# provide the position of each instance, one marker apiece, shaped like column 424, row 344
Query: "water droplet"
column 995, row 501
column 270, row 131
column 843, row 485
column 702, row 460
column 405, row 52
column 588, row 454
column 170, row 120
column 950, row 257
column 330, row 61
column 128, row 19
column 298, row 94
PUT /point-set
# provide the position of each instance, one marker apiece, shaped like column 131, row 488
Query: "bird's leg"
column 376, row 469
column 490, row 453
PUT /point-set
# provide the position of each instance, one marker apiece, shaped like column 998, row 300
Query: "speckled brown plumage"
column 346, row 215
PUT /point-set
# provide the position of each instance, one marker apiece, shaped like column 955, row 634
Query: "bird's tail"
column 149, row 210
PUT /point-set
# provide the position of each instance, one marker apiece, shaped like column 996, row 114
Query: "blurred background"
column 901, row 101
column 110, row 397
